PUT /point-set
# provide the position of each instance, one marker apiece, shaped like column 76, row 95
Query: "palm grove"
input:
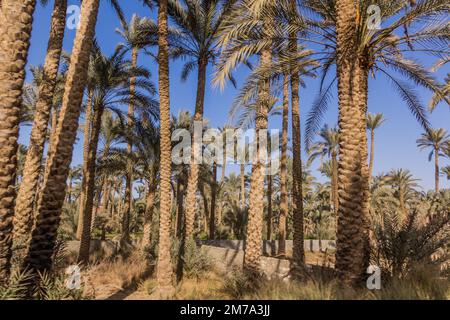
column 43, row 199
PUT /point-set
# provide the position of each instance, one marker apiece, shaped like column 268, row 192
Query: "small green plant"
column 193, row 261
column 53, row 287
column 15, row 289
column 238, row 284
column 401, row 244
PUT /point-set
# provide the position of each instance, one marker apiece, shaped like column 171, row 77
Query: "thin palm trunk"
column 212, row 219
column 205, row 211
column 334, row 183
column 164, row 270
column 269, row 207
column 86, row 222
column 26, row 196
column 180, row 205
column 192, row 185
column 350, row 251
column 242, row 176
column 284, row 205
column 129, row 176
column 298, row 253
column 372, row 151
column 87, row 138
column 16, row 19
column 52, row 196
column 436, row 169
column 148, row 218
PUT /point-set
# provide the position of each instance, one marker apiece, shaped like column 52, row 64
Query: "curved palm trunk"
column 242, row 176
column 164, row 270
column 16, row 18
column 350, row 253
column 252, row 253
column 86, row 222
column 436, row 169
column 284, row 205
column 87, row 138
column 52, row 196
column 298, row 252
column 23, row 216
column 129, row 177
column 192, row 185
column 212, row 219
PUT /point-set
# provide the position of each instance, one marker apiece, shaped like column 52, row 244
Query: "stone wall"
column 228, row 260
column 271, row 247
column 105, row 248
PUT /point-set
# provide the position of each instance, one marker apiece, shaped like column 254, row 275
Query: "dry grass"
column 107, row 277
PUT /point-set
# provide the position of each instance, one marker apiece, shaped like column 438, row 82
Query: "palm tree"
column 147, row 155
column 199, row 22
column 110, row 89
column 374, row 121
column 138, row 34
column 51, row 198
column 374, row 50
column 403, row 184
column 15, row 32
column 33, row 163
column 328, row 146
column 351, row 245
column 436, row 140
column 164, row 264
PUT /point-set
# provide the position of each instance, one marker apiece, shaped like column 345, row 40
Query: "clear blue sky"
column 395, row 140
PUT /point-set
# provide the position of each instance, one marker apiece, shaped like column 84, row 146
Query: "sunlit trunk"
column 192, row 185
column 26, row 196
column 164, row 269
column 16, row 19
column 86, row 222
column 87, row 137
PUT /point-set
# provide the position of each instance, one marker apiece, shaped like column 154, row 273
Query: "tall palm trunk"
column 86, row 223
column 361, row 82
column 284, row 205
column 52, row 196
column 436, row 169
column 129, row 176
column 164, row 264
column 87, row 138
column 252, row 253
column 192, row 185
column 372, row 151
column 269, row 207
column 16, row 18
column 23, row 216
column 298, row 252
column 350, row 253
column 212, row 219
column 148, row 217
column 242, row 176
column 334, row 182
column 180, row 205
